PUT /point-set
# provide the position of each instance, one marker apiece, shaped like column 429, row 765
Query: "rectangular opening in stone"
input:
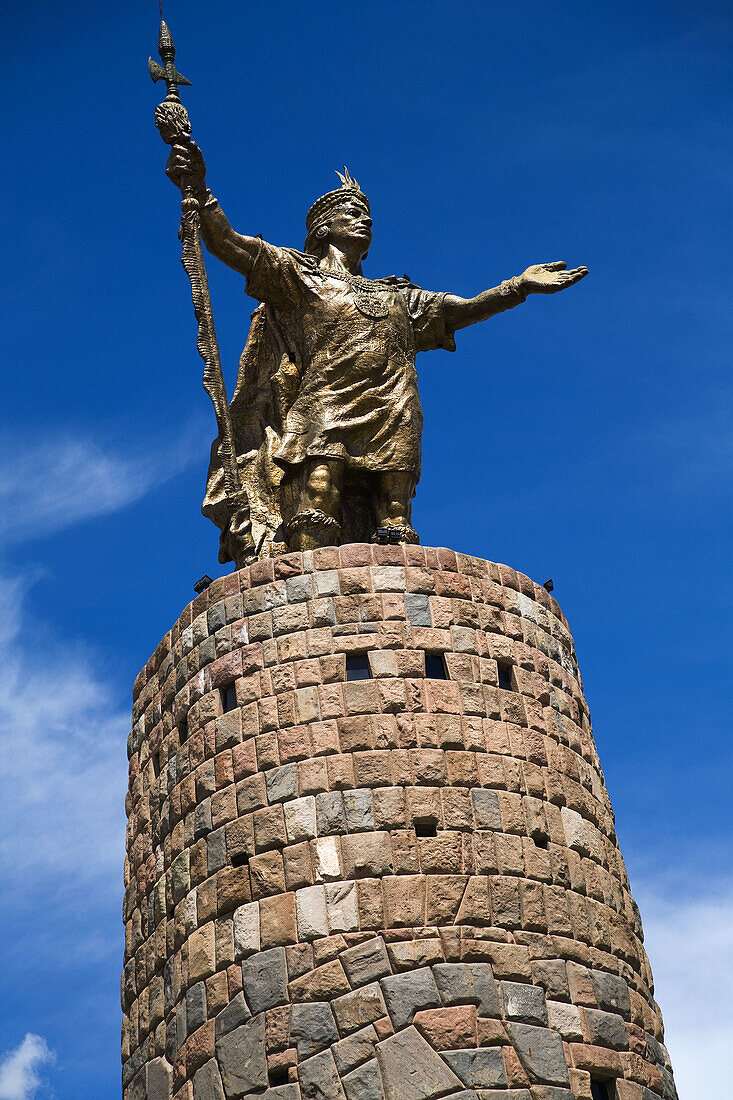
column 277, row 1075
column 505, row 675
column 426, row 826
column 182, row 730
column 602, row 1090
column 239, row 859
column 435, row 668
column 357, row 666
column 228, row 698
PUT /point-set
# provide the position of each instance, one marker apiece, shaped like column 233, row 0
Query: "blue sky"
column 584, row 437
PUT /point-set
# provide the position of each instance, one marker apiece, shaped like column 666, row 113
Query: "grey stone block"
column 479, row 1069
column 468, row 983
column 486, row 809
column 299, row 588
column 181, row 1032
column 612, row 992
column 202, row 819
column 281, row 1092
column 606, row 1029
column 541, row 1053
column 319, row 1079
column 366, row 962
column 264, row 978
column 160, row 1080
column 418, row 609
column 364, row 1083
column 354, row 1049
column 234, row 1015
column 216, row 850
column 406, row 994
column 524, row 1002
column 207, row 1083
column 282, row 783
column 242, row 1060
column 330, row 816
column 360, row 1007
column 312, row 1028
column 358, row 809
column 195, row 1006
column 411, row 1070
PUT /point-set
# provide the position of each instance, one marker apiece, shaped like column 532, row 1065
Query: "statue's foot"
column 311, row 528
column 396, row 534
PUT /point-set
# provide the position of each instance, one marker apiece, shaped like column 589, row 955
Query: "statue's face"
column 350, row 227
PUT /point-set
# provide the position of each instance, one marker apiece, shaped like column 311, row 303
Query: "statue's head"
column 339, row 217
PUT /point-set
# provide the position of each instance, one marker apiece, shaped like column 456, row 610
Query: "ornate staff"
column 174, row 126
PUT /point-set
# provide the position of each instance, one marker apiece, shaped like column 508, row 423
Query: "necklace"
column 368, row 298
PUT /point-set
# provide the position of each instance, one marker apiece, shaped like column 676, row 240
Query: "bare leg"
column 315, row 522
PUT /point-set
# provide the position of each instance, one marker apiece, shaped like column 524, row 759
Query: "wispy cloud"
column 50, row 485
column 690, row 944
column 19, row 1076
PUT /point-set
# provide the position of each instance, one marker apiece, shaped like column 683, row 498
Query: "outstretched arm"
column 185, row 166
column 538, row 279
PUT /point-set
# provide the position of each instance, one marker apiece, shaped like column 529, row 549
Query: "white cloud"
column 62, row 759
column 47, row 486
column 19, row 1078
column 689, row 940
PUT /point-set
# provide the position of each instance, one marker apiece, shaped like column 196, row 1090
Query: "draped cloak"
column 328, row 372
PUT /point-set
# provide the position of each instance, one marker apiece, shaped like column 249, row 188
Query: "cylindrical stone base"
column 371, row 855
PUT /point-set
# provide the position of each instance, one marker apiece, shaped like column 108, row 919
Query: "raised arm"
column 186, row 165
column 538, row 279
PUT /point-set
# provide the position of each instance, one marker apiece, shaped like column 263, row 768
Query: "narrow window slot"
column 228, row 698
column 602, row 1090
column 435, row 667
column 426, row 826
column 357, row 667
column 505, row 675
column 182, row 730
column 239, row 860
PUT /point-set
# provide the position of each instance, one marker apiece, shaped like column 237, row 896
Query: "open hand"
column 549, row 278
column 186, row 165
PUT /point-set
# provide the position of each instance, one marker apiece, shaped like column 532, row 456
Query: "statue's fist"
column 186, row 166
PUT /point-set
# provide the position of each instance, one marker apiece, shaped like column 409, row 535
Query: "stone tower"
column 371, row 855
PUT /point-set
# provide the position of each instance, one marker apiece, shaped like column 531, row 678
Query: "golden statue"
column 321, row 443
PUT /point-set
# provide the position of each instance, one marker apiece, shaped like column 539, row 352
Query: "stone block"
column 264, row 979
column 605, row 1029
column 540, row 1052
column 357, row 1009
column 406, row 994
column 246, row 930
column 282, row 783
column 612, row 992
column 564, row 1018
column 468, row 983
column 525, row 1003
column 300, row 819
column 366, row 962
column 242, row 1060
column 411, row 1070
column 354, row 1049
column 312, row 1028
column 310, row 907
column 195, row 1006
column 448, row 1028
column 417, row 606
column 478, row 1069
column 486, row 811
column 341, row 907
column 364, row 1083
column 206, row 1083
column 358, row 810
column 319, row 1079
column 234, row 1015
